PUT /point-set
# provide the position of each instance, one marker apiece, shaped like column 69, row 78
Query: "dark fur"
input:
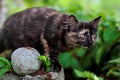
column 47, row 30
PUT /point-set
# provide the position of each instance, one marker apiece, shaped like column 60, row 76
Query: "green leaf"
column 110, row 34
column 2, row 64
column 116, row 73
column 5, row 61
column 5, row 65
column 48, row 63
column 115, row 51
column 115, row 61
column 99, row 54
column 74, row 63
column 43, row 58
column 48, row 68
column 86, row 74
column 106, row 66
column 68, row 61
column 4, row 70
column 80, row 51
column 64, row 59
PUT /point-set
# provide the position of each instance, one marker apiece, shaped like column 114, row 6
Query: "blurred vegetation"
column 5, row 65
column 102, row 61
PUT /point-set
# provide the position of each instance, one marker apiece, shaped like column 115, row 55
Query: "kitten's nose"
column 90, row 42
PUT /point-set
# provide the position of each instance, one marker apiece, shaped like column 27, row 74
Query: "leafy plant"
column 113, row 67
column 5, row 66
column 87, row 75
column 46, row 61
column 69, row 60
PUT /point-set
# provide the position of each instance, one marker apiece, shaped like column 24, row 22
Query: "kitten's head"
column 81, row 33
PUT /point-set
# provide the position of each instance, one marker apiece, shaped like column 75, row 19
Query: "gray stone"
column 10, row 76
column 57, row 75
column 54, row 76
column 28, row 77
column 25, row 60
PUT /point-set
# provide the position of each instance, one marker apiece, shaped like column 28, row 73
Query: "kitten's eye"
column 93, row 37
column 82, row 37
column 72, row 34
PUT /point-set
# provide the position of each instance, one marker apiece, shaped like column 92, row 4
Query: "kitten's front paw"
column 55, row 65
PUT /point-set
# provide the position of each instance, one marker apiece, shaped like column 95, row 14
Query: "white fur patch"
column 83, row 31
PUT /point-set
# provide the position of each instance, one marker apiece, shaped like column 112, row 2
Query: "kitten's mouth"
column 74, row 46
column 86, row 46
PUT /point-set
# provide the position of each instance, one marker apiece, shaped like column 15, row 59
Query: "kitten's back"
column 24, row 28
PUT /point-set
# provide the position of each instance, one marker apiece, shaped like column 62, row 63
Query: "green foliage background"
column 103, row 59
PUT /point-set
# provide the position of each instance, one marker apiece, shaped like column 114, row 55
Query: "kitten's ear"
column 72, row 18
column 95, row 22
column 66, row 25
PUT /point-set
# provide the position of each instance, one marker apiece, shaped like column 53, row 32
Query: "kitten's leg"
column 55, row 65
column 45, row 45
column 46, row 49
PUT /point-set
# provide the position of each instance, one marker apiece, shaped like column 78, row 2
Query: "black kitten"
column 47, row 30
